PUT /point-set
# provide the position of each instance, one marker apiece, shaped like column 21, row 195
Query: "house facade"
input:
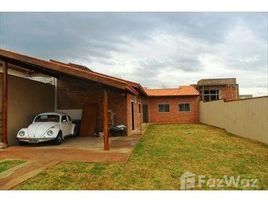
column 98, row 101
column 73, row 98
column 176, row 105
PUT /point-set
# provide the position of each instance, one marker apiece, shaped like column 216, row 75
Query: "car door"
column 70, row 125
column 65, row 125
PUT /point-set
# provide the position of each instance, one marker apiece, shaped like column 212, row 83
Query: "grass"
column 8, row 164
column 163, row 154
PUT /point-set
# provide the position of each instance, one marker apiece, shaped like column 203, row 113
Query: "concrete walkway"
column 40, row 157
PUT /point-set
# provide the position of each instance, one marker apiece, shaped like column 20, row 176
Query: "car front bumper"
column 34, row 140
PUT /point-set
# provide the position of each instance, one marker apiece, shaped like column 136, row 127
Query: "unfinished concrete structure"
column 215, row 89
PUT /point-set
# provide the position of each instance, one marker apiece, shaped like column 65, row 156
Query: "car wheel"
column 59, row 139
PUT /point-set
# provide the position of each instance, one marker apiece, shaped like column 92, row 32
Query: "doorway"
column 89, row 120
column 145, row 113
column 132, row 115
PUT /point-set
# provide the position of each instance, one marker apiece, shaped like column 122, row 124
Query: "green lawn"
column 163, row 154
column 8, row 164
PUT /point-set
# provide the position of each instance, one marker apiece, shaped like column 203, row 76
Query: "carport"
column 106, row 85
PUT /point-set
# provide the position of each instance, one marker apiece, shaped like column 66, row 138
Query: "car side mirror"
column 64, row 120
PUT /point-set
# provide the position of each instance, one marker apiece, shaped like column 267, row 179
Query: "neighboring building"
column 245, row 96
column 176, row 105
column 215, row 89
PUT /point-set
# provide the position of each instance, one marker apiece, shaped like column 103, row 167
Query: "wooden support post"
column 4, row 102
column 105, row 121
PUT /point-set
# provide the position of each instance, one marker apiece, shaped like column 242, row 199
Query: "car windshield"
column 47, row 118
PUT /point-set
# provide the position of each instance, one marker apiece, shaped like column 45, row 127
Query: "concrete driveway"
column 86, row 149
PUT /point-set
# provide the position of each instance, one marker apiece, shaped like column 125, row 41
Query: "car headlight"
column 21, row 133
column 50, row 132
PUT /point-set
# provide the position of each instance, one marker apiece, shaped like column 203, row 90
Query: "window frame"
column 62, row 119
column 207, row 94
column 163, row 104
column 184, row 103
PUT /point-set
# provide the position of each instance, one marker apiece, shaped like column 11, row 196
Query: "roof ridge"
column 169, row 88
column 186, row 90
column 162, row 88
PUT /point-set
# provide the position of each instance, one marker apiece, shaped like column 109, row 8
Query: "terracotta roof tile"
column 180, row 91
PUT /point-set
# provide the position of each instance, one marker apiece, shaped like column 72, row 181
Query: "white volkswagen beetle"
column 47, row 127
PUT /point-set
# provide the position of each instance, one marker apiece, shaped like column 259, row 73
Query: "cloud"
column 154, row 49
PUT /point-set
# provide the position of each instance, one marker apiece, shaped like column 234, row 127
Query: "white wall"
column 26, row 98
column 247, row 118
column 75, row 114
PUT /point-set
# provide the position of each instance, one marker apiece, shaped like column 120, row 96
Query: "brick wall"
column 137, row 115
column 75, row 93
column 226, row 92
column 174, row 115
column 118, row 104
column 229, row 92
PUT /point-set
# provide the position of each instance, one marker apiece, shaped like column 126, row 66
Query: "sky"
column 157, row 50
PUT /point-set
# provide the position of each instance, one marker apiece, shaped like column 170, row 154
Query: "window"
column 64, row 118
column 206, row 98
column 139, row 108
column 184, row 107
column 163, row 107
column 47, row 118
column 211, row 95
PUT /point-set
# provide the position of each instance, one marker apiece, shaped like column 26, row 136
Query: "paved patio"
column 86, row 149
